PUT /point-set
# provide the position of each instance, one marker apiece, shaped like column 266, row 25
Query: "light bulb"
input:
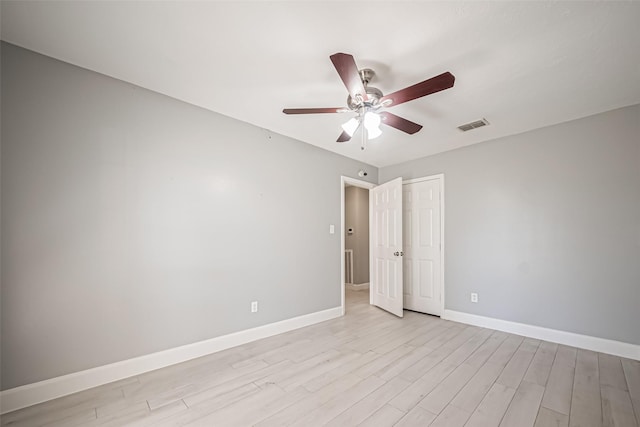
column 372, row 124
column 374, row 133
column 371, row 120
column 351, row 126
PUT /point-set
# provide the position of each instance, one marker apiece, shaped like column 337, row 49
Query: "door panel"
column 422, row 287
column 386, row 246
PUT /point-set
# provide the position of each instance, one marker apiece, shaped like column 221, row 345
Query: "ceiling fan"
column 369, row 103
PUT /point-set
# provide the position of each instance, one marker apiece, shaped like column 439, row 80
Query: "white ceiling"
column 521, row 65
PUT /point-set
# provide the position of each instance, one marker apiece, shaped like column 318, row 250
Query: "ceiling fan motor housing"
column 373, row 93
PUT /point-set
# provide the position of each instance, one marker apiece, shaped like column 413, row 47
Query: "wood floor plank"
column 148, row 389
column 213, row 390
column 559, row 388
column 371, row 403
column 283, row 375
column 302, row 377
column 474, row 391
column 451, row 416
column 523, row 410
column 548, row 418
column 419, row 340
column 540, row 366
column 247, row 411
column 140, row 417
column 275, row 355
column 303, row 407
column 379, row 363
column 455, row 339
column 339, row 403
column 212, row 403
column 442, row 394
column 482, row 354
column 318, row 382
column 617, row 410
column 222, row 395
column 385, row 346
column 373, row 341
column 412, row 395
column 631, row 370
column 505, row 351
column 383, row 417
column 469, row 347
column 395, row 367
column 586, row 406
column 416, row 417
column 519, row 363
column 611, row 373
column 79, row 419
column 490, row 411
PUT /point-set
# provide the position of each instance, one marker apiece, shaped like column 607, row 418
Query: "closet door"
column 422, row 246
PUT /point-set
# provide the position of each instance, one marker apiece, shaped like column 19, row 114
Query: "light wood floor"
column 373, row 369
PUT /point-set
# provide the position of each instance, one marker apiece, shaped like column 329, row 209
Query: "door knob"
column 396, row 253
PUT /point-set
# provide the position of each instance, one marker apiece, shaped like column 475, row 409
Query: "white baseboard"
column 31, row 394
column 358, row 287
column 602, row 345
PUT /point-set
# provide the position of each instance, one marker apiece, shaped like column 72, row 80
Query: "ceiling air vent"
column 473, row 125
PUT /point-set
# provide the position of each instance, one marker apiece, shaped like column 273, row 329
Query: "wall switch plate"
column 332, row 229
column 254, row 306
column 474, row 297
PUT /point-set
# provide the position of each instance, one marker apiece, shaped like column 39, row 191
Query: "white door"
column 385, row 207
column 422, row 238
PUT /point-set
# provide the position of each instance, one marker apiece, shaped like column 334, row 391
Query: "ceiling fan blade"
column 427, row 87
column 314, row 110
column 344, row 137
column 399, row 123
column 348, row 72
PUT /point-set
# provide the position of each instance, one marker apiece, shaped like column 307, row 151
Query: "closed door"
column 422, row 246
column 385, row 207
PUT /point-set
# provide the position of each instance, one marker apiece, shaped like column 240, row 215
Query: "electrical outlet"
column 254, row 306
column 474, row 297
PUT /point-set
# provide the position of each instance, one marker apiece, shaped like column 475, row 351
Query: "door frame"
column 344, row 180
column 440, row 178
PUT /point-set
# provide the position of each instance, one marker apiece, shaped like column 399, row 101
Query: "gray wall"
column 545, row 225
column 133, row 222
column 356, row 217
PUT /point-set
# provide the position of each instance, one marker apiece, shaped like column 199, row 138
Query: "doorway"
column 354, row 234
column 423, row 289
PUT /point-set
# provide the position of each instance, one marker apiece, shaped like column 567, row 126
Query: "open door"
column 385, row 207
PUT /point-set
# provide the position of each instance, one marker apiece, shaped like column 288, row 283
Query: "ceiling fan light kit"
column 368, row 102
column 351, row 126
